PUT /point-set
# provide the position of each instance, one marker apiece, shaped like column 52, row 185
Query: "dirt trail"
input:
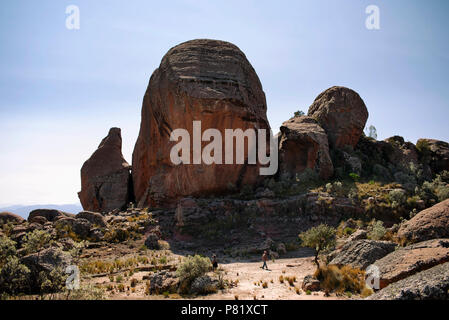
column 249, row 273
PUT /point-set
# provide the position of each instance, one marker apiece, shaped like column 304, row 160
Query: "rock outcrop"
column 49, row 214
column 200, row 80
column 93, row 217
column 436, row 152
column 303, row 144
column 105, row 177
column 361, row 253
column 431, row 284
column 412, row 259
column 6, row 217
column 431, row 223
column 342, row 113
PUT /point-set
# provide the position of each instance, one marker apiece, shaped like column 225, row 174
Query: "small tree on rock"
column 319, row 238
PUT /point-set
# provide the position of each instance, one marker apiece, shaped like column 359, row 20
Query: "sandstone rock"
column 93, row 217
column 49, row 214
column 404, row 262
column 38, row 219
column 342, row 113
column 304, row 144
column 200, row 80
column 203, row 285
column 163, row 281
column 45, row 261
column 81, row 227
column 361, row 253
column 310, row 284
column 432, row 223
column 438, row 154
column 105, row 177
column 6, row 217
column 151, row 242
column 431, row 284
column 358, row 235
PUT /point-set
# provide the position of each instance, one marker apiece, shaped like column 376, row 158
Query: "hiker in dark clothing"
column 265, row 259
column 214, row 262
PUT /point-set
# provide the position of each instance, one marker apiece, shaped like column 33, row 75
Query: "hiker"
column 214, row 262
column 265, row 259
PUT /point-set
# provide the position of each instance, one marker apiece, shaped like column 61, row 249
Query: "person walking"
column 265, row 259
column 214, row 262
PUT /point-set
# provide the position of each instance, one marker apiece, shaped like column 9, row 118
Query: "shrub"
column 193, row 267
column 35, row 240
column 53, row 281
column 397, row 197
column 354, row 176
column 319, row 238
column 13, row 276
column 377, row 230
column 7, row 249
column 299, row 113
column 308, row 176
column 335, row 188
column 344, row 279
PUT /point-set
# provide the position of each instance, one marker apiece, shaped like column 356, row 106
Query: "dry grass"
column 345, row 279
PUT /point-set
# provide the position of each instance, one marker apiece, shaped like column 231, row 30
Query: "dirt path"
column 250, row 278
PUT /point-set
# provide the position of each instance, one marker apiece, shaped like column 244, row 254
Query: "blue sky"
column 61, row 90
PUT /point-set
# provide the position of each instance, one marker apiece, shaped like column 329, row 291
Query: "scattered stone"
column 432, row 223
column 310, row 284
column 361, row 253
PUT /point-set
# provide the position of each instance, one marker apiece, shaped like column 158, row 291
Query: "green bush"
column 376, row 230
column 193, row 267
column 7, row 249
column 35, row 240
column 354, row 176
column 13, row 276
column 397, row 197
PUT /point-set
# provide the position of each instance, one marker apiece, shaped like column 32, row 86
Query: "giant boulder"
column 200, row 80
column 436, row 152
column 412, row 259
column 342, row 113
column 105, row 177
column 431, row 223
column 303, row 144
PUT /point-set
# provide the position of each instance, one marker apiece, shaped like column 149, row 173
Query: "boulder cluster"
column 213, row 82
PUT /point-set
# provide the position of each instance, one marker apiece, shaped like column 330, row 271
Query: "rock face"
column 432, row 284
column 6, row 217
column 407, row 261
column 105, row 176
column 49, row 214
column 432, row 223
column 342, row 113
column 361, row 253
column 439, row 154
column 200, row 80
column 303, row 144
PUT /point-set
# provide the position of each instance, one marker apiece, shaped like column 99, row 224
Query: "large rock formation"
column 432, row 284
column 200, row 80
column 432, row 223
column 361, row 253
column 303, row 144
column 342, row 113
column 6, row 217
column 48, row 214
column 412, row 259
column 435, row 152
column 105, row 176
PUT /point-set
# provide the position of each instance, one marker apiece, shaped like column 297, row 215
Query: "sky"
column 61, row 90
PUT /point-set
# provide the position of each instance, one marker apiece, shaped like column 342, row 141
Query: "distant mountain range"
column 24, row 211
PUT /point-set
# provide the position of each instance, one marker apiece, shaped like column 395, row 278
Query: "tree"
column 319, row 238
column 372, row 132
column 299, row 113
